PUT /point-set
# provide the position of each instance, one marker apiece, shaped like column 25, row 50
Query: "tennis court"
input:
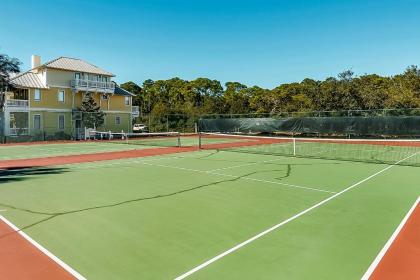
column 239, row 208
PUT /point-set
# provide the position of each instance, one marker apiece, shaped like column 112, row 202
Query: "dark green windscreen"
column 374, row 126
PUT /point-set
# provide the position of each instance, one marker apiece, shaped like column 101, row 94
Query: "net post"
column 294, row 146
column 179, row 139
column 199, row 141
column 126, row 135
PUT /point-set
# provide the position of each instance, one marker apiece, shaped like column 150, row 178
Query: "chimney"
column 36, row 61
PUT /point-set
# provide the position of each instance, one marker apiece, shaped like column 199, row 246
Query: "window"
column 61, row 122
column 37, row 95
column 20, row 93
column 61, row 95
column 105, row 96
column 117, row 120
column 37, row 121
column 77, row 76
column 127, row 100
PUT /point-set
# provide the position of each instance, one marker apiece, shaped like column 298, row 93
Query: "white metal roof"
column 27, row 79
column 75, row 64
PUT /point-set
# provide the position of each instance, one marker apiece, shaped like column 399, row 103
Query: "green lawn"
column 159, row 217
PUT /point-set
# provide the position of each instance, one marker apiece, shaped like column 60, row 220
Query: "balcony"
column 18, row 131
column 135, row 111
column 93, row 86
column 17, row 103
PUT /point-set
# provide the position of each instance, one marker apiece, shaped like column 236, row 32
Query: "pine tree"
column 92, row 116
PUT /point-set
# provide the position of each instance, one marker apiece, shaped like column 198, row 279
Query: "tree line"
column 344, row 92
column 205, row 96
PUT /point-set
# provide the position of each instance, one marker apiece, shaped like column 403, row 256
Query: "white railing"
column 18, row 131
column 93, row 85
column 17, row 103
column 135, row 111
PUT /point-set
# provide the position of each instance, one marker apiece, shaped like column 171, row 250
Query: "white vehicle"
column 139, row 127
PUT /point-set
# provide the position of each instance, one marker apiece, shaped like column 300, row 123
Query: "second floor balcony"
column 93, row 86
column 17, row 103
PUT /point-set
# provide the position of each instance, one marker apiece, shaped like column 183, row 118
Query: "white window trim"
column 40, row 121
column 129, row 100
column 64, row 122
column 64, row 95
column 118, row 117
column 40, row 95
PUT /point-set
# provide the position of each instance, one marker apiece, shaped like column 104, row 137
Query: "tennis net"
column 160, row 139
column 404, row 152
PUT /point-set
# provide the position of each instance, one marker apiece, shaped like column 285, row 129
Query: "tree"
column 207, row 93
column 235, row 99
column 7, row 66
column 92, row 116
column 341, row 93
column 259, row 99
column 372, row 91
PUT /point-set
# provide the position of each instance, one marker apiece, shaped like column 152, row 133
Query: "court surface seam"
column 247, row 164
column 255, row 237
column 240, row 178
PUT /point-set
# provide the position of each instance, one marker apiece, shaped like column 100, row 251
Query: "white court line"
column 43, row 250
column 3, row 210
column 388, row 244
column 261, row 234
column 238, row 177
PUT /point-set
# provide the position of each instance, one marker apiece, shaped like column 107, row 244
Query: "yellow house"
column 46, row 100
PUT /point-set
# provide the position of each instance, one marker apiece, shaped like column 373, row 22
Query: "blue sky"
column 254, row 42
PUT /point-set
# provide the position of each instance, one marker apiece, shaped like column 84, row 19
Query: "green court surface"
column 159, row 217
column 60, row 149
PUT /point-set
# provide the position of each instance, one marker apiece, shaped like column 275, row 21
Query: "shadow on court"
column 16, row 174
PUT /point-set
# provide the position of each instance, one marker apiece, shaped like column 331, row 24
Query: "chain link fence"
column 49, row 126
column 338, row 113
column 183, row 123
column 30, row 126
